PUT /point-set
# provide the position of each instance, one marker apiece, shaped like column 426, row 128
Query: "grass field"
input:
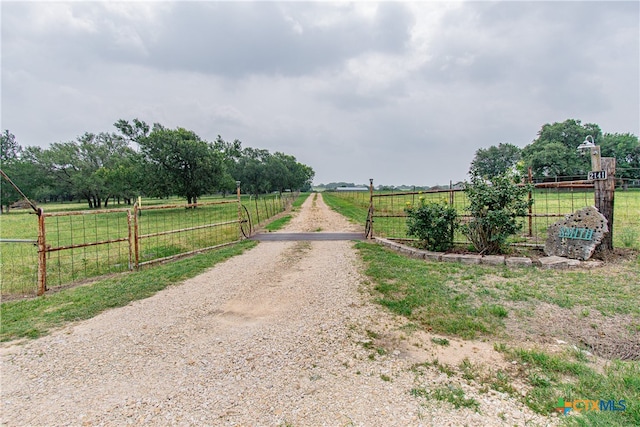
column 213, row 223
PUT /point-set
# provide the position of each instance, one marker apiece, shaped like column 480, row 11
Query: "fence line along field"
column 550, row 205
column 84, row 244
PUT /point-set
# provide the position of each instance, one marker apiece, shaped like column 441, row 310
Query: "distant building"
column 352, row 188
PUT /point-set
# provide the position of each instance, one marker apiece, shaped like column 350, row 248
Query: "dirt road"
column 285, row 334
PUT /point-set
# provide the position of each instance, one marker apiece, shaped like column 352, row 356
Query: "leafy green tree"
column 290, row 174
column 555, row 153
column 187, row 165
column 626, row 150
column 494, row 161
column 495, row 206
column 133, row 131
column 252, row 171
column 9, row 158
column 231, row 154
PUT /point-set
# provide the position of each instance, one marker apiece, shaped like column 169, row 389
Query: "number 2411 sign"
column 596, row 175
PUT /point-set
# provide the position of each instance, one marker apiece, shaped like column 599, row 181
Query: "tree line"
column 139, row 159
column 554, row 153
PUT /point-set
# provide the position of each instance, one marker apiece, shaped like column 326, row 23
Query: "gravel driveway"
column 285, row 334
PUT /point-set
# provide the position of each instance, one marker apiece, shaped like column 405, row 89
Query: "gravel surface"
column 285, row 334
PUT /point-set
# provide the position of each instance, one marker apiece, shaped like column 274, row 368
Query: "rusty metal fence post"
column 42, row 254
column 239, row 210
column 131, row 238
column 136, row 234
column 530, row 203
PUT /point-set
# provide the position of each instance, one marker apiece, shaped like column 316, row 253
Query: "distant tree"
column 9, row 148
column 191, row 166
column 253, row 172
column 231, row 154
column 286, row 173
column 554, row 152
column 9, row 159
column 626, row 150
column 494, row 161
column 88, row 167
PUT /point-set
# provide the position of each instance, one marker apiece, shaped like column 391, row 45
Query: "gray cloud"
column 399, row 92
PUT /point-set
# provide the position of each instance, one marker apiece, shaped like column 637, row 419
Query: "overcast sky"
column 404, row 93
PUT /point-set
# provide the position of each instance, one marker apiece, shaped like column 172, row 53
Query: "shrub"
column 432, row 223
column 494, row 206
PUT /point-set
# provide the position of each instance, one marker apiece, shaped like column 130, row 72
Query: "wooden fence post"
column 604, row 195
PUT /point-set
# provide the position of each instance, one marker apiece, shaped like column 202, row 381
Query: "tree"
column 626, row 150
column 231, row 154
column 494, row 161
column 252, row 171
column 9, row 148
column 555, row 151
column 9, row 158
column 187, row 165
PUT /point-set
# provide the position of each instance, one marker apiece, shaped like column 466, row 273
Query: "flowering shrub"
column 432, row 223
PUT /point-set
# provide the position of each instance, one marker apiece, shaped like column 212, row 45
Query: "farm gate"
column 70, row 247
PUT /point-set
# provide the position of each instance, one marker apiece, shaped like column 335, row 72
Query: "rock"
column 553, row 262
column 578, row 235
column 470, row 259
column 492, row 260
column 517, row 261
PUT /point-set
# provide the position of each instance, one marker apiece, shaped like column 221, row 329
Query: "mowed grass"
column 278, row 223
column 36, row 317
column 477, row 302
column 212, row 223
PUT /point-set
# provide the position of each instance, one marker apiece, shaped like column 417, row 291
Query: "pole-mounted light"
column 589, row 145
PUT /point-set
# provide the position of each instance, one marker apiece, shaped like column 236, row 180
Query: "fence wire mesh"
column 550, row 204
column 82, row 245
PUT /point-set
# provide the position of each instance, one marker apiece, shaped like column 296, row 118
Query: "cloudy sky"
column 404, row 93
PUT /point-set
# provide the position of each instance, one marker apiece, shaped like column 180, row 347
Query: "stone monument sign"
column 578, row 235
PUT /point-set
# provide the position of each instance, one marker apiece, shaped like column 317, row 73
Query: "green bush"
column 432, row 223
column 494, row 206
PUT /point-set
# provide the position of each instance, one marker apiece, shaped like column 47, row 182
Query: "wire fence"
column 53, row 250
column 552, row 201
